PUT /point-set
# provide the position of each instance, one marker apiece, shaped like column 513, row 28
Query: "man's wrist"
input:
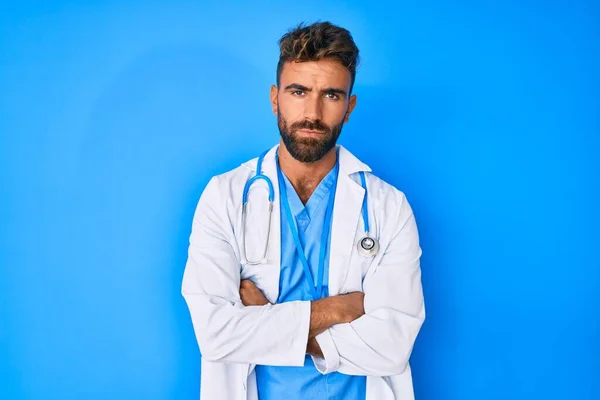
column 331, row 309
column 324, row 313
column 336, row 310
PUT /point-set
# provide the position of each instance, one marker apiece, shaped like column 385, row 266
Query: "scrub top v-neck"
column 306, row 383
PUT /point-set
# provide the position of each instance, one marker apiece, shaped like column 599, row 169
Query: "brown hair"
column 315, row 42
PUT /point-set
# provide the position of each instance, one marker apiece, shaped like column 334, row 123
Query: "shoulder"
column 221, row 196
column 233, row 177
column 383, row 190
column 386, row 197
column 222, row 187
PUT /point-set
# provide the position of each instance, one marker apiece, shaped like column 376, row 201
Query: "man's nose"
column 313, row 109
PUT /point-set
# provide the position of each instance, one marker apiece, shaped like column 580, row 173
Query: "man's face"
column 312, row 104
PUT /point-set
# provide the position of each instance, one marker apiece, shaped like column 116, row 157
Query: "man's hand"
column 330, row 311
column 334, row 310
column 313, row 348
column 350, row 306
column 251, row 295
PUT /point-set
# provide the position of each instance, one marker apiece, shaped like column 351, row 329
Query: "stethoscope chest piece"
column 368, row 246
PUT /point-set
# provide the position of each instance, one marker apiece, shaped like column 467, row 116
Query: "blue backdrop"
column 114, row 114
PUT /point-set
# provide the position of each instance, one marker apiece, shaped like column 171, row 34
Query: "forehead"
column 322, row 73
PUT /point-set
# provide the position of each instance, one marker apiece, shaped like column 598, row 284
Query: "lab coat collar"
column 349, row 164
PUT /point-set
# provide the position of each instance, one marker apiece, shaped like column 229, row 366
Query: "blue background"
column 114, row 114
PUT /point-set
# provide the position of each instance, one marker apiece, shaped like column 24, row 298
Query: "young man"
column 320, row 298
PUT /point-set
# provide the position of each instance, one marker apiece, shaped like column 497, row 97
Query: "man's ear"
column 273, row 95
column 351, row 105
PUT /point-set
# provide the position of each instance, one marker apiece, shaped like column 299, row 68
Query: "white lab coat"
column 233, row 338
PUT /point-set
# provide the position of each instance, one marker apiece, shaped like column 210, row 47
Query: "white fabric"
column 233, row 338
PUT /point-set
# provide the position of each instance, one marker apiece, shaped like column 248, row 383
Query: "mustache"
column 310, row 125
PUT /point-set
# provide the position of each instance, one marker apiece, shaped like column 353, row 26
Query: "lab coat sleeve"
column 226, row 330
column 380, row 342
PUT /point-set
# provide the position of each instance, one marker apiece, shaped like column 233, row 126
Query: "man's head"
column 313, row 97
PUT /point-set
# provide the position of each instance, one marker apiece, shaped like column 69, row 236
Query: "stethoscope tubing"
column 367, row 246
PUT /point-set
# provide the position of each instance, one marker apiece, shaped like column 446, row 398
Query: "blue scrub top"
column 305, row 383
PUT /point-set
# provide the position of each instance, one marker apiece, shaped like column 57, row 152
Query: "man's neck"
column 305, row 177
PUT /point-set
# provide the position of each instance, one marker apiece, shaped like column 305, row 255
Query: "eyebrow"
column 307, row 89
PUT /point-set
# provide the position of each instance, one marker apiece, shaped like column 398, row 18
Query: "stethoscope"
column 367, row 246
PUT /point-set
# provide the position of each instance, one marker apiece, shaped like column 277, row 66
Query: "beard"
column 308, row 150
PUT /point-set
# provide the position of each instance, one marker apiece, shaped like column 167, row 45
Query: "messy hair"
column 315, row 42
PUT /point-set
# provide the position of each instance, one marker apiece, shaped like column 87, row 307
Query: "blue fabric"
column 306, row 383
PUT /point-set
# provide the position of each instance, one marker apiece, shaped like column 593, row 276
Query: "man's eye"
column 298, row 92
column 332, row 96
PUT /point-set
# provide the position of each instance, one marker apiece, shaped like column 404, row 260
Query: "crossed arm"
column 350, row 334
column 323, row 313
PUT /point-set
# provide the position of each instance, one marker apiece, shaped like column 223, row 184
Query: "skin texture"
column 312, row 103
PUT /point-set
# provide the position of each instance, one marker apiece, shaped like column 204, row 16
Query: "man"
column 312, row 315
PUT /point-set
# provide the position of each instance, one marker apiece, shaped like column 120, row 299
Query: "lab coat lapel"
column 346, row 217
